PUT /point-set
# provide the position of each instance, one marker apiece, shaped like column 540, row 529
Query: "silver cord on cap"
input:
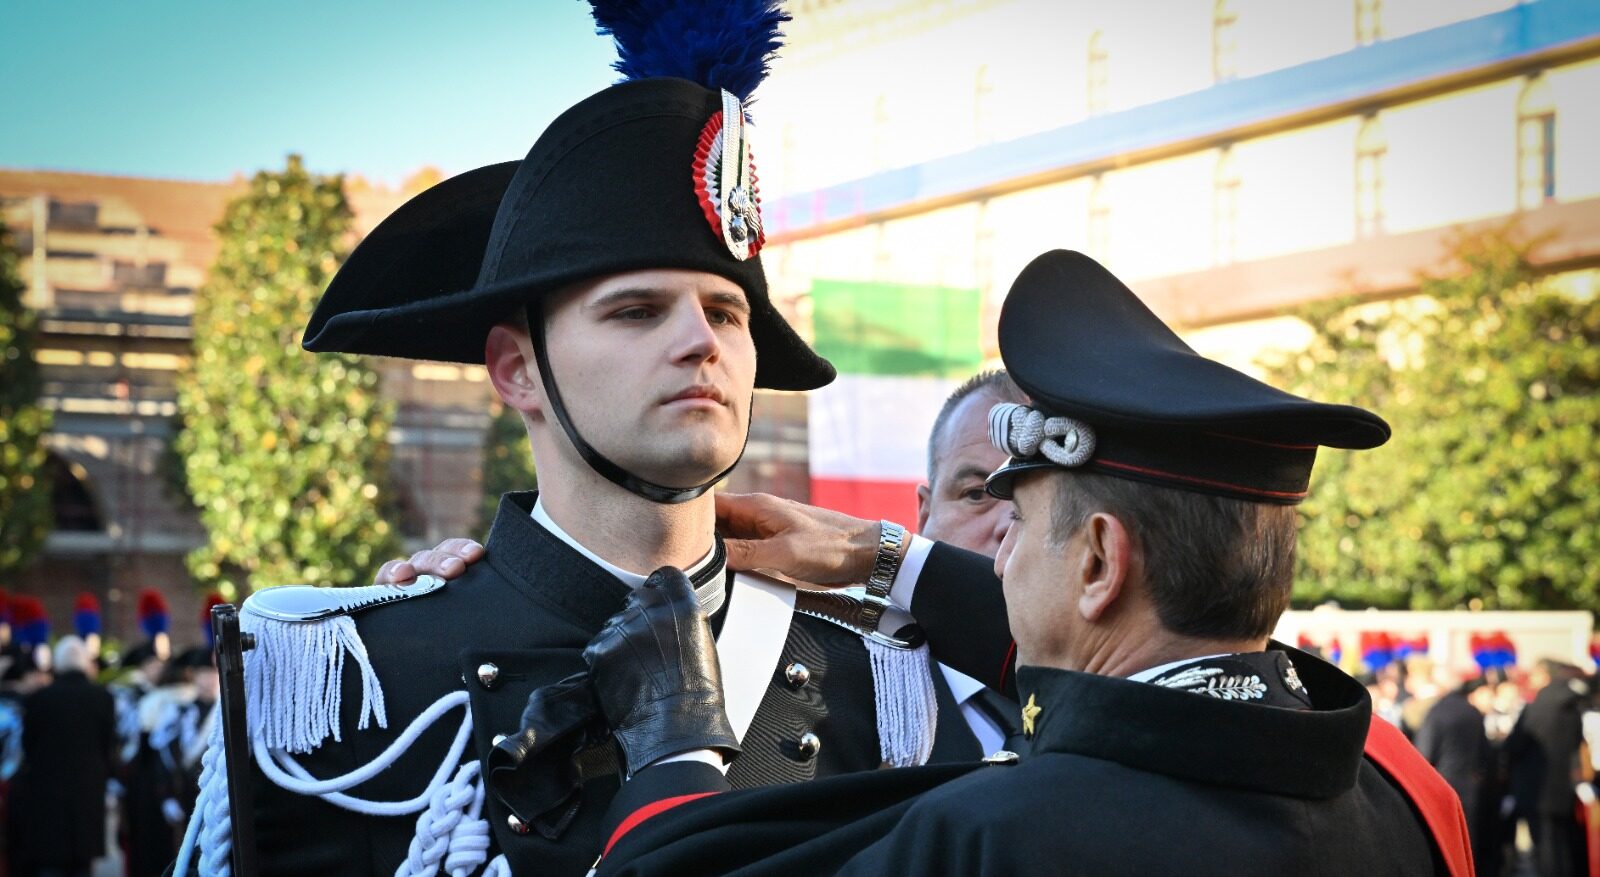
column 1022, row 432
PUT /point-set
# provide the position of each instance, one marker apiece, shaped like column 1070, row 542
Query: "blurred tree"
column 507, row 460
column 285, row 453
column 1490, row 488
column 25, row 514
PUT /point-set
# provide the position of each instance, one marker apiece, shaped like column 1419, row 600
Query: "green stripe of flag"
column 897, row 329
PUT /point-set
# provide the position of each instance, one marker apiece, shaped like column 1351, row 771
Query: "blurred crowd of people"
column 99, row 763
column 1520, row 746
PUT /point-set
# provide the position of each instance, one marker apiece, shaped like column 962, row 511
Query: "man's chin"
column 687, row 469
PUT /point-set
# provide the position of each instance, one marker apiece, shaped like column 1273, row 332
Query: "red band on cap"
column 1262, row 442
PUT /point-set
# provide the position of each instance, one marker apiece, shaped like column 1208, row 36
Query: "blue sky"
column 202, row 89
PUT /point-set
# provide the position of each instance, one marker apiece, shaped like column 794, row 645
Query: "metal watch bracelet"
column 891, row 551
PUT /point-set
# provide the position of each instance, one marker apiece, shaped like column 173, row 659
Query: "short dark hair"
column 1217, row 568
column 996, row 383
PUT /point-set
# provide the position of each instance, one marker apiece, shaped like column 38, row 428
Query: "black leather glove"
column 655, row 672
column 535, row 771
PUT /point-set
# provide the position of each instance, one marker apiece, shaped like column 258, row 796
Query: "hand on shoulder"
column 448, row 560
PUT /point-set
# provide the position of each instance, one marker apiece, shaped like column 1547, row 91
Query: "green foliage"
column 25, row 512
column 1489, row 490
column 507, row 460
column 284, row 452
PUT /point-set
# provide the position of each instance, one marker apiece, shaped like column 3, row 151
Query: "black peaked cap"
column 608, row 187
column 1082, row 345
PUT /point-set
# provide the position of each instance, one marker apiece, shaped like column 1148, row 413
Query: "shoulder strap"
column 1428, row 792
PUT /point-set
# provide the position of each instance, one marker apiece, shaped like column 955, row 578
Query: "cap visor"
column 999, row 482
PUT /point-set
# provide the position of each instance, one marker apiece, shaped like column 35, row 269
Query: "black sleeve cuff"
column 652, row 790
column 959, row 604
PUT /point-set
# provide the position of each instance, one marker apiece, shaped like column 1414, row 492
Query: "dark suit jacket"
column 1543, row 748
column 58, row 797
column 1453, row 740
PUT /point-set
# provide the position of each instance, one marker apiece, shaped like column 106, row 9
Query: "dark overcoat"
column 1124, row 778
column 1543, row 748
column 57, row 809
column 1454, row 741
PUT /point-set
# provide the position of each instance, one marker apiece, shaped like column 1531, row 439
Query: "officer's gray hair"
column 993, row 383
column 70, row 654
column 1216, row 568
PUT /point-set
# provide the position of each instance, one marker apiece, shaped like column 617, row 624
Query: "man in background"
column 58, row 801
column 953, row 507
column 1543, row 750
column 1453, row 739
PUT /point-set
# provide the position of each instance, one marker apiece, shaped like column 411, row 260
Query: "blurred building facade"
column 1227, row 158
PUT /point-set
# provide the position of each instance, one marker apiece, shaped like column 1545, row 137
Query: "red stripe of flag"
column 865, row 498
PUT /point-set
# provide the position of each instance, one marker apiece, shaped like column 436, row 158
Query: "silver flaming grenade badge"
column 725, row 180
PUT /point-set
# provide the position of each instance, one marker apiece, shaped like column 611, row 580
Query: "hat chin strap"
column 596, row 460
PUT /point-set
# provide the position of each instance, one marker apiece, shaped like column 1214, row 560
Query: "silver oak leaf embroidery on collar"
column 1214, row 682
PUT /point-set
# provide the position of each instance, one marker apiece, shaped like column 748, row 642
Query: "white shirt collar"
column 1154, row 672
column 631, row 579
column 961, row 685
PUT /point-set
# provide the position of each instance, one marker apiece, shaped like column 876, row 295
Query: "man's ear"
column 924, row 505
column 1106, row 561
column 508, row 357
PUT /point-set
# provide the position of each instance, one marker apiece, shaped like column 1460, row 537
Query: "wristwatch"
column 892, row 542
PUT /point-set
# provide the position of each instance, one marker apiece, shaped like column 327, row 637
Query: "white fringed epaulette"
column 294, row 677
column 294, row 681
column 902, row 681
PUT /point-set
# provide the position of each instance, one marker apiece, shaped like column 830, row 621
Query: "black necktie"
column 1005, row 714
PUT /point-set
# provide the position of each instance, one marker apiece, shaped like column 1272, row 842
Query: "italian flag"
column 899, row 350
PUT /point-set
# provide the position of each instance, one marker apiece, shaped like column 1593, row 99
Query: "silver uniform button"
column 809, row 744
column 1002, row 756
column 797, row 675
column 517, row 825
column 488, row 672
column 498, row 739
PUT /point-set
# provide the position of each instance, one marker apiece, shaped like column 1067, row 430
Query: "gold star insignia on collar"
column 1030, row 711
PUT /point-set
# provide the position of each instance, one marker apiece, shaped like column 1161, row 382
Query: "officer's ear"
column 508, row 357
column 1104, row 564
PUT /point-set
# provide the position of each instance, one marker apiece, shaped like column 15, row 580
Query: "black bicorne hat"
column 1115, row 391
column 611, row 186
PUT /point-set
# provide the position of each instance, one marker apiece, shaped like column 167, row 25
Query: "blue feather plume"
column 721, row 44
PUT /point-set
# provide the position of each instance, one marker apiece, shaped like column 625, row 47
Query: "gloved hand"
column 535, row 771
column 655, row 672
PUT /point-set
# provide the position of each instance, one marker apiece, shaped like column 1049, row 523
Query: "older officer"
column 1150, row 558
